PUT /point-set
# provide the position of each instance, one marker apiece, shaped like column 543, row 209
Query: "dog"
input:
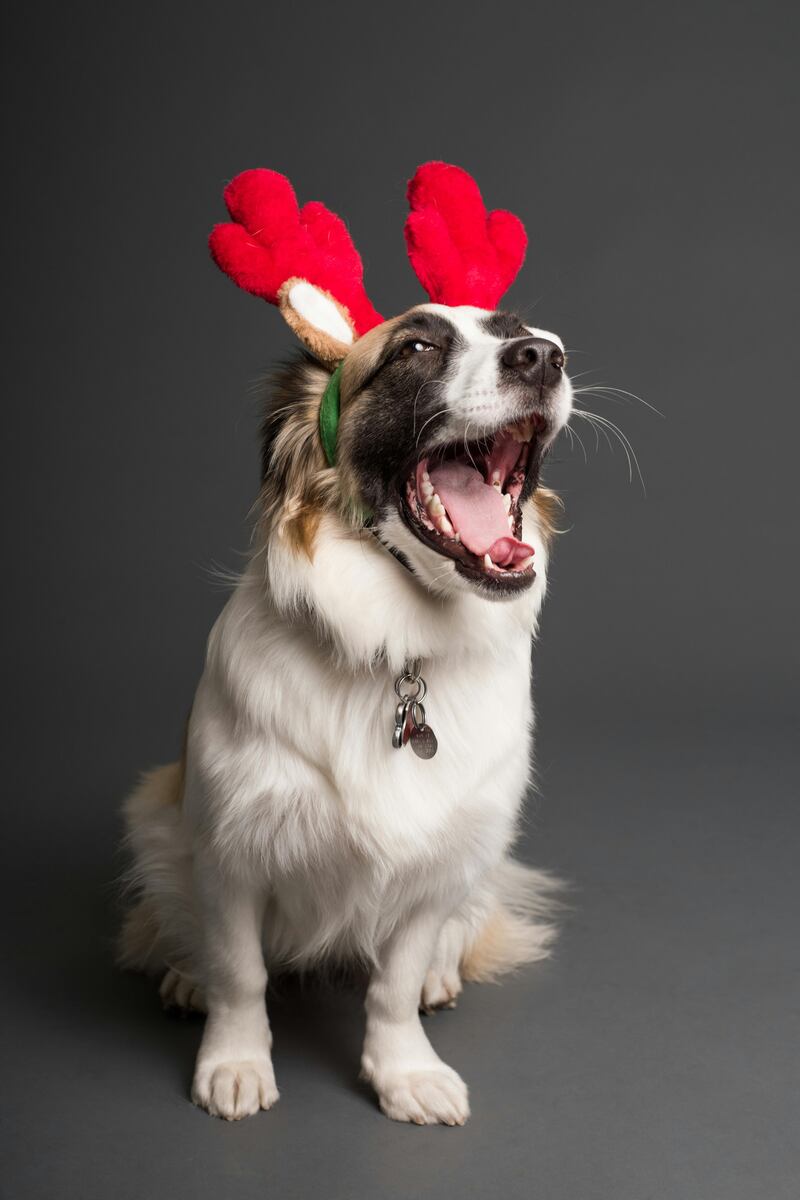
column 359, row 745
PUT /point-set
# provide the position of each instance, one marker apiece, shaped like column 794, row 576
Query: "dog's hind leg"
column 159, row 933
column 179, row 990
column 442, row 985
column 505, row 923
column 515, row 925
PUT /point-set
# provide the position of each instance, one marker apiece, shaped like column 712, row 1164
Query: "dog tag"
column 423, row 741
column 402, row 719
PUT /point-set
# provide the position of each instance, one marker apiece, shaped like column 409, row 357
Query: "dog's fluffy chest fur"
column 292, row 770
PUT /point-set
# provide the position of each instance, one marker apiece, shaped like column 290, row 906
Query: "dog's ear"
column 301, row 259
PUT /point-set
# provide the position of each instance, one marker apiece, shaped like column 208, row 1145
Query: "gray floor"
column 655, row 1057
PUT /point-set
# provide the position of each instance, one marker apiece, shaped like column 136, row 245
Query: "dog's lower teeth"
column 526, row 562
column 487, row 562
column 507, row 501
column 445, row 526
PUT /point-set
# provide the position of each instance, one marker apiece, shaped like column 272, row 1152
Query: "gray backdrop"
column 650, row 150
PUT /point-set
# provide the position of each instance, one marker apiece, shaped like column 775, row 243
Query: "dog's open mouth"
column 464, row 502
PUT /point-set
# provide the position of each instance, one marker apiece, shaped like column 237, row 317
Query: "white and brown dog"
column 401, row 549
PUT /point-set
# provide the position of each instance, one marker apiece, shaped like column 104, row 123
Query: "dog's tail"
column 519, row 926
column 159, row 927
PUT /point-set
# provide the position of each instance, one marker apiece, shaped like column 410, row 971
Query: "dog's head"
column 431, row 429
column 447, row 414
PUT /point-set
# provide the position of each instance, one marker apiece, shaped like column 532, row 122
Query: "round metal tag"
column 423, row 741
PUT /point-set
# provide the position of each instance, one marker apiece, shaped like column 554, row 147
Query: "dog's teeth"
column 511, row 523
column 435, row 506
column 426, row 477
column 487, row 562
column 496, row 479
column 445, row 526
column 457, row 537
column 507, row 501
column 426, row 489
column 526, row 562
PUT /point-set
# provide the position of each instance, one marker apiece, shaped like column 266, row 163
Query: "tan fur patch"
column 298, row 484
column 548, row 505
column 171, row 779
column 363, row 357
column 138, row 937
column 504, row 942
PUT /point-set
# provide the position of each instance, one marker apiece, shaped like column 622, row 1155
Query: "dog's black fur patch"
column 504, row 325
column 405, row 413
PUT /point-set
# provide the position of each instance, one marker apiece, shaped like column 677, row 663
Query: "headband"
column 304, row 261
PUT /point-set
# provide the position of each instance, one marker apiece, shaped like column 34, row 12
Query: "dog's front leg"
column 412, row 1082
column 233, row 1075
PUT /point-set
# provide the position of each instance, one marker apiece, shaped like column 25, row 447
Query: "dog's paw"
column 234, row 1089
column 437, row 1096
column 181, row 992
column 441, row 989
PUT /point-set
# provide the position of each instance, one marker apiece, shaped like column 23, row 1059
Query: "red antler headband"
column 303, row 259
column 461, row 254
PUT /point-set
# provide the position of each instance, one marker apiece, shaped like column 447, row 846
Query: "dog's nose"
column 534, row 360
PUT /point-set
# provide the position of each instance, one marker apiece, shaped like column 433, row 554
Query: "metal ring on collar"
column 419, row 695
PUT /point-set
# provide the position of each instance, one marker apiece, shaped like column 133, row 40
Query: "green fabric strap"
column 329, row 427
column 329, row 416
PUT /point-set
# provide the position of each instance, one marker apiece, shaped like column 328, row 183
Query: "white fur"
column 475, row 399
column 302, row 835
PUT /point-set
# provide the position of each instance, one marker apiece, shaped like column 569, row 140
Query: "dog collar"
column 329, row 416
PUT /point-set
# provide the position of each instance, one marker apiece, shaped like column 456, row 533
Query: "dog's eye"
column 417, row 346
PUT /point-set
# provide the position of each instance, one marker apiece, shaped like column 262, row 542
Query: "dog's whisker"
column 622, row 438
column 619, row 395
column 573, row 434
column 419, row 392
column 598, row 429
column 431, row 418
column 598, row 422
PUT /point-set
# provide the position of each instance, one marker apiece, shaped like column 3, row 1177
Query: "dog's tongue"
column 478, row 514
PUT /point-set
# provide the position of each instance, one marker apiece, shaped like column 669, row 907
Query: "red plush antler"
column 461, row 254
column 301, row 259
